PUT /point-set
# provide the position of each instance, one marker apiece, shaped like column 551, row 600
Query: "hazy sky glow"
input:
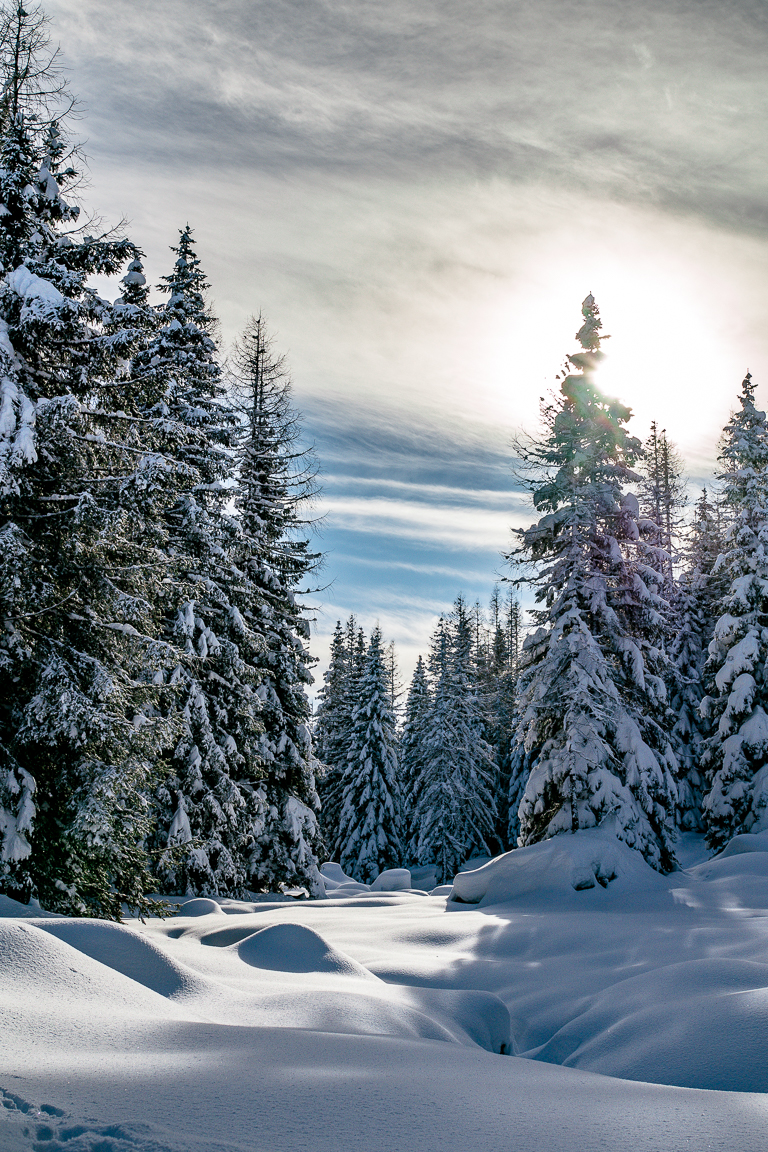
column 419, row 196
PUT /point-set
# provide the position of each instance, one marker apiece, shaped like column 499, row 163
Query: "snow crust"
column 379, row 1021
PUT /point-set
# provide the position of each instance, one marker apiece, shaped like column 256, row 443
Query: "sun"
column 671, row 354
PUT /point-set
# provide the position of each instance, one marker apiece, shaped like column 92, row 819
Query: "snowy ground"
column 377, row 1021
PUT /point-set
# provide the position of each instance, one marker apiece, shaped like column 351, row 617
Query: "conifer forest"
column 159, row 567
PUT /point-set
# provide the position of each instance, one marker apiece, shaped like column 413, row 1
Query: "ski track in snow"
column 377, row 1021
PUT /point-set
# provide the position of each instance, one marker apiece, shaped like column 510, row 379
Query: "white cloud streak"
column 454, row 526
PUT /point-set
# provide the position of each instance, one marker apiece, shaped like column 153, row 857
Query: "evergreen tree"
column 276, row 485
column 413, row 752
column 393, row 679
column 663, row 497
column 209, row 808
column 506, row 659
column 737, row 700
column 332, row 733
column 591, row 684
column 333, row 729
column 369, row 832
column 455, row 813
column 698, row 592
column 81, row 723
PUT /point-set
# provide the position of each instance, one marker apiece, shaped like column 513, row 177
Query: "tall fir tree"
column 737, row 701
column 80, row 723
column 697, row 594
column 370, row 820
column 331, row 734
column 663, row 497
column 588, row 746
column 506, row 657
column 333, row 728
column 454, row 815
column 413, row 753
column 276, row 484
column 208, row 807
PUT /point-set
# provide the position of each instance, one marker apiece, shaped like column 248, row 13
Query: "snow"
column 592, row 858
column 739, row 844
column 392, row 880
column 636, row 1009
column 31, row 287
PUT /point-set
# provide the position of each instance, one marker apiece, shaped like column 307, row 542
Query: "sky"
column 418, row 196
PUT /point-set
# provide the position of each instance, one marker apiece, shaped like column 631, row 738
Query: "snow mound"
column 295, row 948
column 578, row 861
column 54, row 979
column 730, row 883
column 201, row 906
column 338, row 884
column 750, row 842
column 128, row 952
column 392, row 880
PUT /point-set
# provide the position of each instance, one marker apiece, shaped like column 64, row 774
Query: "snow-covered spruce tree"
column 697, row 594
column 590, row 689
column 663, row 497
column 369, row 823
column 455, row 813
column 413, row 751
column 393, row 679
column 80, row 727
column 276, row 483
column 506, row 655
column 737, row 700
column 208, row 809
column 333, row 732
column 330, row 734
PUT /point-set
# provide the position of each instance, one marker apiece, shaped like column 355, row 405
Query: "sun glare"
column 669, row 356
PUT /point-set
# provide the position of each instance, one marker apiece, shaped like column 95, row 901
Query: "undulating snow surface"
column 380, row 1020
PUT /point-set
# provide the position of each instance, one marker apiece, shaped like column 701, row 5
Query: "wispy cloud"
column 421, row 492
column 458, row 575
column 652, row 102
column 454, row 526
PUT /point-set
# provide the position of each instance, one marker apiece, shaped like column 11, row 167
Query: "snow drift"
column 621, row 996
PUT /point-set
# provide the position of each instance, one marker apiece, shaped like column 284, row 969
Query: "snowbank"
column 379, row 1022
column 200, row 906
column 591, row 859
column 703, row 1023
column 294, row 948
column 753, row 842
column 392, row 880
column 338, row 885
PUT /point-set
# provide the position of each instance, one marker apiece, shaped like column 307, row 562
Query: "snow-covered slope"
column 377, row 1020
